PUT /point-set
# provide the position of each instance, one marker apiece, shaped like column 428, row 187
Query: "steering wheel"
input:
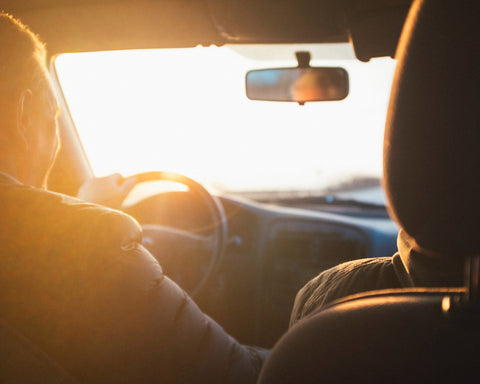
column 175, row 240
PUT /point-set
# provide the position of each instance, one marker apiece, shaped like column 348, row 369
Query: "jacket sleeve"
column 165, row 336
column 75, row 279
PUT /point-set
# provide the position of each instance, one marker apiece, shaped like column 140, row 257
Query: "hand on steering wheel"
column 109, row 191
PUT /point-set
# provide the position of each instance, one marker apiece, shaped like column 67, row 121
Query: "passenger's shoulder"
column 352, row 268
column 343, row 280
column 345, row 272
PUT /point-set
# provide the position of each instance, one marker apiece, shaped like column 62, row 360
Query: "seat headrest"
column 432, row 137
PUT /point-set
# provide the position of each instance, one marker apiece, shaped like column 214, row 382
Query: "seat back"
column 387, row 337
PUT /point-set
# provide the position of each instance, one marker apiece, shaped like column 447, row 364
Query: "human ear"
column 24, row 112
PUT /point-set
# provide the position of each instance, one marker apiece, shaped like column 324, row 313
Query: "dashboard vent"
column 297, row 252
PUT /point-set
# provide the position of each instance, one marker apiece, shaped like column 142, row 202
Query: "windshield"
column 186, row 111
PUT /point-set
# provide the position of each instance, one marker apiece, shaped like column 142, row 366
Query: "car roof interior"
column 92, row 25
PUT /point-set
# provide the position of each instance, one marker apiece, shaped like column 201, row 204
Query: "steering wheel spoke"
column 164, row 237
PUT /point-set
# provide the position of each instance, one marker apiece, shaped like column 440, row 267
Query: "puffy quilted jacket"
column 75, row 279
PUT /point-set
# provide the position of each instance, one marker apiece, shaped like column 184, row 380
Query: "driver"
column 74, row 277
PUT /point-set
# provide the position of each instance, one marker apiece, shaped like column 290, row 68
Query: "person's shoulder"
column 345, row 279
column 34, row 211
column 350, row 273
column 362, row 268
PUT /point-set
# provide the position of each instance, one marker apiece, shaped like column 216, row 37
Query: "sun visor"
column 375, row 32
column 78, row 26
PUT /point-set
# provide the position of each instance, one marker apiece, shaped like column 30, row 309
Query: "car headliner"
column 90, row 25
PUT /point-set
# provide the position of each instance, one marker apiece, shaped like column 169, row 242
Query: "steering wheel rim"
column 216, row 211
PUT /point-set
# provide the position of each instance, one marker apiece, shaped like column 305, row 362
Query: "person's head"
column 317, row 85
column 28, row 107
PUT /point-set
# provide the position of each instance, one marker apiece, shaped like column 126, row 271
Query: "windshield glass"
column 186, row 111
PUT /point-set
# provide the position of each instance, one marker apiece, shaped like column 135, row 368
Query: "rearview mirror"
column 297, row 84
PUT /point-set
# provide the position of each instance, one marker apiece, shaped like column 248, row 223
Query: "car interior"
column 255, row 132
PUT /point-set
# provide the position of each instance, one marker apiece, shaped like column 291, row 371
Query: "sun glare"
column 186, row 111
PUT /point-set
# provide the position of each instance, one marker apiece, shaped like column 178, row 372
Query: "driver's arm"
column 76, row 279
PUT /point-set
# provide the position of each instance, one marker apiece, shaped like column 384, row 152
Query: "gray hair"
column 22, row 62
